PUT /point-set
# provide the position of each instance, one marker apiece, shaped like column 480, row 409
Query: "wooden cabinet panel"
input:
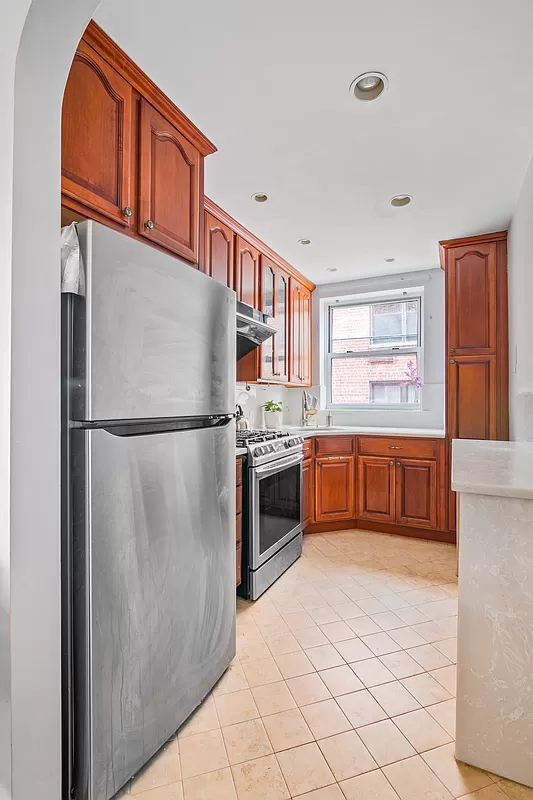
column 452, row 510
column 300, row 334
column 416, row 492
column 170, row 181
column 238, row 570
column 247, row 272
column 306, row 348
column 334, row 445
column 472, row 396
column 218, row 250
column 394, row 446
column 281, row 339
column 309, row 448
column 334, row 490
column 308, row 502
column 239, row 474
column 376, row 488
column 471, row 277
column 238, row 530
column 96, row 137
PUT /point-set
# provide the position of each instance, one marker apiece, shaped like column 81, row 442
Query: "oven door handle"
column 277, row 466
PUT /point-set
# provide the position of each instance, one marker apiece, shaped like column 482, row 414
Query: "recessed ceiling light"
column 369, row 86
column 304, row 241
column 260, row 197
column 331, row 269
column 390, row 260
column 400, row 200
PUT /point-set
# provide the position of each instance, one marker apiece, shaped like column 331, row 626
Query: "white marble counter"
column 503, row 469
column 337, row 430
column 241, row 451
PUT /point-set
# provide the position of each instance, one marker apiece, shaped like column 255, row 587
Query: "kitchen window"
column 369, row 348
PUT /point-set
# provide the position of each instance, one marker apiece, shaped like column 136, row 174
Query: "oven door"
column 275, row 506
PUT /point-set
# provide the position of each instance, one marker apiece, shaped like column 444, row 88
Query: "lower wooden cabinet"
column 416, row 492
column 238, row 525
column 308, row 490
column 335, row 488
column 376, row 488
column 472, row 397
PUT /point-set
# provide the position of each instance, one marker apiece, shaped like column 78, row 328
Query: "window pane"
column 357, row 328
column 372, row 379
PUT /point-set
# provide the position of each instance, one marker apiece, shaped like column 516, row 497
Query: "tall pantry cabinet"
column 476, row 342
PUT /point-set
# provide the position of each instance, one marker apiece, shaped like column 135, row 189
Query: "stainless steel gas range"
column 272, row 507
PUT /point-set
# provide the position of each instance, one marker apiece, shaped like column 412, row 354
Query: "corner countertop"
column 241, row 451
column 426, row 433
column 504, row 469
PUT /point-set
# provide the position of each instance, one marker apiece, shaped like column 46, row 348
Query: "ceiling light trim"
column 374, row 89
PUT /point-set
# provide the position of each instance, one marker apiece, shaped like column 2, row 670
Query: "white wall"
column 521, row 314
column 431, row 413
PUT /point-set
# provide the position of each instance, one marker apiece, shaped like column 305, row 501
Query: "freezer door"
column 153, row 337
column 154, row 591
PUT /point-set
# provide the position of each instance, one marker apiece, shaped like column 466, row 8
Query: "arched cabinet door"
column 96, row 137
column 471, row 299
column 169, row 186
column 218, row 250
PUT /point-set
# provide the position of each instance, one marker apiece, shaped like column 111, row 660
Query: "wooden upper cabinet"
column 334, row 488
column 471, row 276
column 416, row 492
column 246, row 272
column 281, row 339
column 376, row 488
column 472, row 397
column 218, row 250
column 300, row 333
column 170, row 180
column 96, row 137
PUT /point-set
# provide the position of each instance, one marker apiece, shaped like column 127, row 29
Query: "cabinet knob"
column 452, row 361
column 398, row 463
column 127, row 211
column 149, row 224
column 452, row 349
column 391, row 463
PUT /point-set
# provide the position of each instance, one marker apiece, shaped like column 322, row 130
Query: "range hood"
column 252, row 329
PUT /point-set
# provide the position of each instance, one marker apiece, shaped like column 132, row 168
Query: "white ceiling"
column 268, row 82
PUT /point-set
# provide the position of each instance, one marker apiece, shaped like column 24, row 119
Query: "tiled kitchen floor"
column 342, row 689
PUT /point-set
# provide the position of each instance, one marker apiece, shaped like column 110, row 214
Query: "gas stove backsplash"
column 253, row 401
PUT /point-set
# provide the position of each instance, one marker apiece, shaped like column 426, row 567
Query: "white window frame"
column 415, row 293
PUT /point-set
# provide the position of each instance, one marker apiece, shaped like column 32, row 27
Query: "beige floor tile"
column 325, row 719
column 406, row 637
column 449, row 648
column 304, row 769
column 493, row 792
column 310, row 637
column 395, row 601
column 429, row 594
column 444, row 713
column 203, row 752
column 233, row 680
column 236, row 707
column 361, row 708
column 385, row 742
column 439, row 609
column 429, row 657
column 516, row 791
column 260, row 672
column 371, row 605
column 327, row 793
column 291, row 665
column 381, row 643
column 323, row 616
column 312, row 599
column 353, row 650
column 308, row 689
column 388, row 621
column 426, row 689
column 162, row 769
column 216, row 785
column 246, row 741
column 260, row 779
column 372, row 672
column 337, row 631
column 413, row 780
column 363, row 626
column 447, row 677
column 272, row 626
column 459, row 778
column 253, row 651
column 370, row 786
column 349, row 610
column 431, row 632
column 401, row 664
column 273, row 697
column 394, row 698
column 203, row 719
column 334, row 597
column 449, row 625
column 297, row 620
column 357, row 592
column 287, row 729
column 422, row 730
column 173, row 791
column 324, row 657
column 281, row 643
column 346, row 755
column 341, row 680
column 410, row 615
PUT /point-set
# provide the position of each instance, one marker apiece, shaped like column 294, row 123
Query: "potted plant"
column 273, row 414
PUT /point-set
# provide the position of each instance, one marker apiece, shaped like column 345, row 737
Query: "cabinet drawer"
column 238, row 530
column 335, row 445
column 397, row 447
column 239, row 499
column 308, row 448
column 238, row 571
column 239, row 472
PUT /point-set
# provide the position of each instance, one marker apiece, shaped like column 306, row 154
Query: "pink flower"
column 413, row 376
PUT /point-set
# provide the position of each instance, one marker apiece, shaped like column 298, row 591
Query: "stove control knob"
column 261, row 450
column 271, row 448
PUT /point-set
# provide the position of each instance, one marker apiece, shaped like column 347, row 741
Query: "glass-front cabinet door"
column 275, row 300
column 267, row 349
column 281, row 359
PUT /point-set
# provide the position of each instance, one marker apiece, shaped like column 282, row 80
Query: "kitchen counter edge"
column 501, row 469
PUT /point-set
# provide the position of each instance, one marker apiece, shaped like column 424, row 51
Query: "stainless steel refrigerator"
column 149, row 503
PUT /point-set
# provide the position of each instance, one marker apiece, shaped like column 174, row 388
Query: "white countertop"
column 241, row 451
column 504, row 469
column 429, row 433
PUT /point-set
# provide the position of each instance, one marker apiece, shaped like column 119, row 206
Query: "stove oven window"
column 279, row 506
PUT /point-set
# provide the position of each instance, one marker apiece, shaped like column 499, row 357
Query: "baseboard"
column 381, row 527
